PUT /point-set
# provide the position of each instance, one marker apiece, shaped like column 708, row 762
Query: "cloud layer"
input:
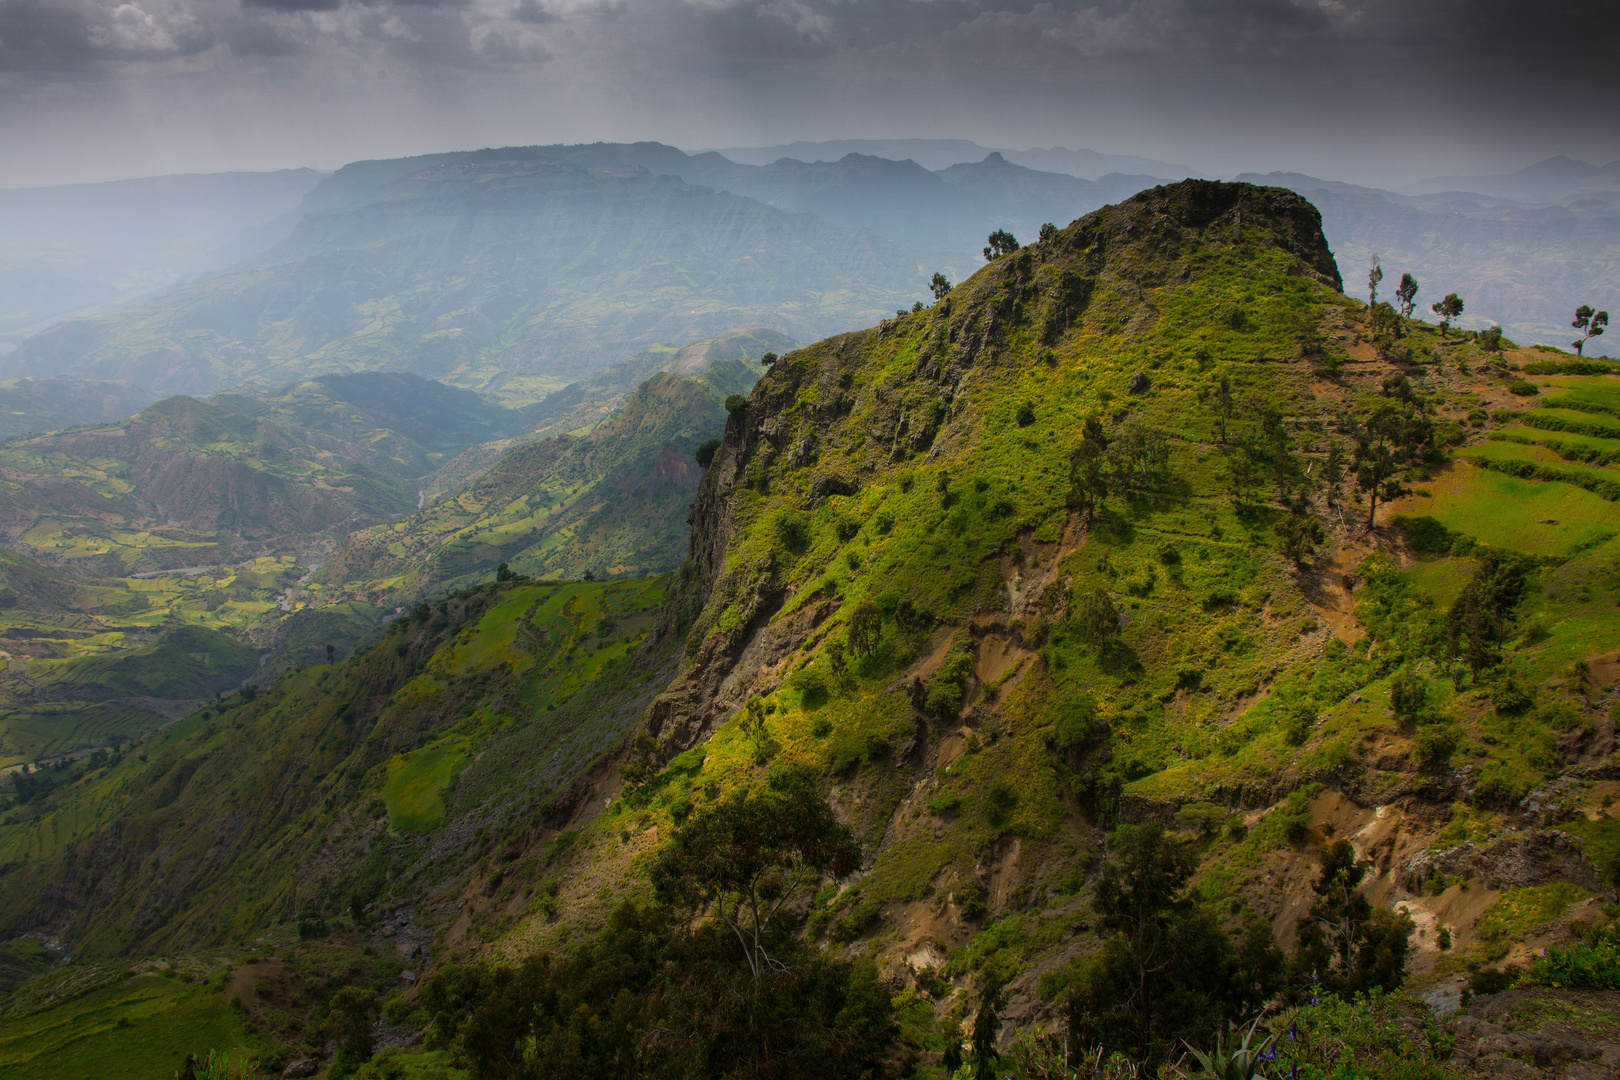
column 110, row 87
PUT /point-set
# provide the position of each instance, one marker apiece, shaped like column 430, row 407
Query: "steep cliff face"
column 830, row 418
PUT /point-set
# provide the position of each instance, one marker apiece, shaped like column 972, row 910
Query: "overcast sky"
column 1370, row 90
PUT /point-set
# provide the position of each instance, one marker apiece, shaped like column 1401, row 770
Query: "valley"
column 1144, row 530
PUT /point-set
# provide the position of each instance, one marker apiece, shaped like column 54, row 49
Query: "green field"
column 1532, row 516
column 415, row 783
column 140, row 1028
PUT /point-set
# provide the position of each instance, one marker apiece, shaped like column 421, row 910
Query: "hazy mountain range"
column 515, row 271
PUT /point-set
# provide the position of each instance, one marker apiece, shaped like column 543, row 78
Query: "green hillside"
column 610, row 501
column 50, row 404
column 1081, row 560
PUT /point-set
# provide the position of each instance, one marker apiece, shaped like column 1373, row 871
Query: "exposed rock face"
column 1513, row 861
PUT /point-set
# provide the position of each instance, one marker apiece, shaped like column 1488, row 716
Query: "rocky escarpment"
column 807, row 427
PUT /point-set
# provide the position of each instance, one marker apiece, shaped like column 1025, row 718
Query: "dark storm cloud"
column 297, row 5
column 716, row 72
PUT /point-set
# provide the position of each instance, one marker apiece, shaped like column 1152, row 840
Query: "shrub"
column 705, row 453
column 792, row 530
column 1494, row 980
column 999, row 802
column 1510, row 697
column 1497, row 786
column 949, row 686
column 1372, row 1035
column 946, row 802
column 735, row 404
column 1026, row 414
column 970, row 898
column 1587, row 965
column 1434, row 746
column 1523, row 388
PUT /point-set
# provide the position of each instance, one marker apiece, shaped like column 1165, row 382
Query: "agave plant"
column 216, row 1066
column 1232, row 1061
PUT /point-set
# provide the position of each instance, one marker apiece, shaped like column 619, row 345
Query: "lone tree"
column 351, row 1021
column 986, row 1026
column 745, row 859
column 1385, row 326
column 1345, row 944
column 1375, row 274
column 940, row 285
column 1088, row 473
column 1406, row 294
column 769, row 358
column 1137, row 449
column 1097, row 620
column 1001, row 243
column 1167, row 970
column 1380, row 453
column 1482, row 615
column 1448, row 309
column 1590, row 323
column 865, row 629
column 1299, row 534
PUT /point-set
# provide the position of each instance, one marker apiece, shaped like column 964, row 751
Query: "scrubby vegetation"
column 1135, row 606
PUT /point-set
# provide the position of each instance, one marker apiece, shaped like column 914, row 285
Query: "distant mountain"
column 1551, row 180
column 1523, row 266
column 581, row 406
column 953, row 209
column 940, row 153
column 78, row 246
column 32, row 405
column 467, row 268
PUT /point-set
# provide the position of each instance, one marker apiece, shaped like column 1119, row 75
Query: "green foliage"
column 1434, row 745
column 705, row 452
column 1345, row 945
column 1000, row 243
column 1523, row 388
column 1589, row 964
column 792, row 530
column 1167, row 971
column 1374, row 1036
column 1231, row 1060
column 947, row 689
column 215, row 1065
column 865, row 629
column 1482, row 615
column 604, row 1010
column 1097, row 622
column 351, row 1019
column 746, row 857
column 1518, row 912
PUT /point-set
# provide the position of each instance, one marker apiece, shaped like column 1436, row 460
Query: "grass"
column 415, row 784
column 1531, row 516
column 1520, row 911
column 141, row 1028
